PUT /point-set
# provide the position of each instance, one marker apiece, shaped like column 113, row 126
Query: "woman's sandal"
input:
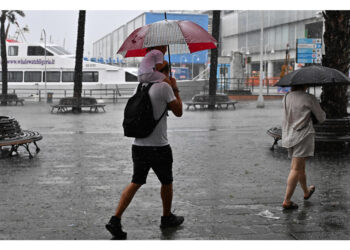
column 311, row 191
column 291, row 205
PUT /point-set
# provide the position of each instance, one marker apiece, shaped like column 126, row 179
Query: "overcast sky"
column 62, row 25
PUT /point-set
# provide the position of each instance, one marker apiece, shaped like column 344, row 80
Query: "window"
column 52, row 76
column 90, row 76
column 37, row 51
column 13, row 76
column 13, row 51
column 32, row 76
column 68, row 76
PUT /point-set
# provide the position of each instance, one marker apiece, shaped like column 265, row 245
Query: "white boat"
column 26, row 67
column 26, row 74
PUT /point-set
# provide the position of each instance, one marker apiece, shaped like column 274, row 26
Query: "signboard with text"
column 309, row 50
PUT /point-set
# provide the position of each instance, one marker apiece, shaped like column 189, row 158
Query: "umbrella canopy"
column 314, row 76
column 181, row 36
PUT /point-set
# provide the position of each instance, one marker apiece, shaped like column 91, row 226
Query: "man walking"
column 153, row 152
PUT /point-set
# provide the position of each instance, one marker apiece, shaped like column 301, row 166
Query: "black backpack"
column 138, row 113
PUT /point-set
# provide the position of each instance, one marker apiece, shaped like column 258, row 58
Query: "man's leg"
column 114, row 225
column 126, row 197
column 297, row 166
column 166, row 193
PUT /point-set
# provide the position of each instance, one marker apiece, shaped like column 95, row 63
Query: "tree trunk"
column 214, row 60
column 334, row 99
column 3, row 57
column 78, row 72
column 7, row 30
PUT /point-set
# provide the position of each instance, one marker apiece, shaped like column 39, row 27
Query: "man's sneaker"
column 171, row 221
column 115, row 228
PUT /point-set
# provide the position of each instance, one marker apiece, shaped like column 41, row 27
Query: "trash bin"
column 49, row 97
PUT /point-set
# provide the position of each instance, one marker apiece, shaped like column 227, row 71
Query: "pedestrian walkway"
column 227, row 182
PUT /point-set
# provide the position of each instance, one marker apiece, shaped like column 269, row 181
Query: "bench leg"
column 26, row 146
column 274, row 143
column 14, row 148
column 37, row 148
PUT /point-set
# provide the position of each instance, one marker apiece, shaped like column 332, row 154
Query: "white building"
column 240, row 32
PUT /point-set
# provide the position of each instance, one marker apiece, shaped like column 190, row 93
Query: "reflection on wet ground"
column 228, row 184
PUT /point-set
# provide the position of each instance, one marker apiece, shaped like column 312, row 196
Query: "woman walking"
column 298, row 136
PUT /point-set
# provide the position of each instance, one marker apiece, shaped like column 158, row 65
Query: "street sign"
column 310, row 60
column 309, row 50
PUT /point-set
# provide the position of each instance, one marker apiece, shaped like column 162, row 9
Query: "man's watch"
column 176, row 89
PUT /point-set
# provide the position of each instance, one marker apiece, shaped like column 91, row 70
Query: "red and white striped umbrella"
column 181, row 36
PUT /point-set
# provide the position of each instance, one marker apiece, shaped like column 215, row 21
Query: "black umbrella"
column 314, row 76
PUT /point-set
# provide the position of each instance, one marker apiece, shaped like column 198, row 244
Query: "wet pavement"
column 227, row 182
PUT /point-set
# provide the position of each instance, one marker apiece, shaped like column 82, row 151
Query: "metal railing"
column 225, row 85
column 111, row 94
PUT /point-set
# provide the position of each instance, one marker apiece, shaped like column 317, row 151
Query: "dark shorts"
column 160, row 159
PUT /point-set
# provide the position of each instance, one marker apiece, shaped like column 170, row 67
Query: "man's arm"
column 176, row 105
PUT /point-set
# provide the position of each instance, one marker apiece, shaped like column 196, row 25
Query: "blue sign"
column 307, row 56
column 309, row 40
column 309, row 50
column 309, row 60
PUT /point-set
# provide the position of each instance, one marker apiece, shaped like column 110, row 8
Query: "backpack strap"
column 149, row 85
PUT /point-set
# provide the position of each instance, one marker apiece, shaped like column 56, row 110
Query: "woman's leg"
column 297, row 167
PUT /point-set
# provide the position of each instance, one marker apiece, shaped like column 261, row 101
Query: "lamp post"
column 192, row 62
column 260, row 102
column 41, row 39
column 267, row 47
column 184, row 60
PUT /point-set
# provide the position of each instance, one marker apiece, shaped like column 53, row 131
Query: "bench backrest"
column 205, row 98
column 8, row 97
column 74, row 101
column 337, row 127
column 9, row 127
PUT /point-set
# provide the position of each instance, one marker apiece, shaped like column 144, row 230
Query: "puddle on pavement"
column 267, row 214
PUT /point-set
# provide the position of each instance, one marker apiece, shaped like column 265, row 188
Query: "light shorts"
column 305, row 148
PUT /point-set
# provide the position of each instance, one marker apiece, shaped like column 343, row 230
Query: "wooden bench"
column 331, row 130
column 67, row 103
column 11, row 98
column 13, row 136
column 202, row 101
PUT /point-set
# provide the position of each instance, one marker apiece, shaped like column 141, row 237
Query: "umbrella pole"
column 168, row 51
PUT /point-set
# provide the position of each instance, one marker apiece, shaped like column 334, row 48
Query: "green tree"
column 214, row 60
column 334, row 100
column 10, row 16
column 78, row 71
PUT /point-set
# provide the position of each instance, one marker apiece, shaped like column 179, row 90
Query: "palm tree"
column 3, row 55
column 78, row 72
column 21, row 31
column 334, row 99
column 9, row 15
column 214, row 60
column 12, row 18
